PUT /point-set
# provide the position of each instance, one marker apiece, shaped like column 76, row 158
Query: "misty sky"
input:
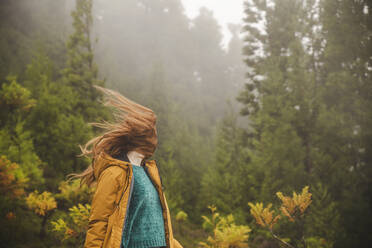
column 225, row 11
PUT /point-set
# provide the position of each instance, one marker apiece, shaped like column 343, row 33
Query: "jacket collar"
column 104, row 160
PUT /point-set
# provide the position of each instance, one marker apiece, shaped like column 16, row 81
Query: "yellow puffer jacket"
column 110, row 201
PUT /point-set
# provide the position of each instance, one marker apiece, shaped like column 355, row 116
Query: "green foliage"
column 295, row 206
column 292, row 207
column 12, row 179
column 264, row 216
column 225, row 232
column 60, row 226
column 306, row 117
column 317, row 242
column 71, row 193
column 224, row 181
column 305, row 105
column 80, row 215
column 41, row 203
column 181, row 216
column 55, row 128
column 348, row 95
column 324, row 217
column 15, row 139
column 73, row 229
column 15, row 98
column 81, row 73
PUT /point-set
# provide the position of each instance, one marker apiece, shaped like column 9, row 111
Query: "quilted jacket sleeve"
column 103, row 204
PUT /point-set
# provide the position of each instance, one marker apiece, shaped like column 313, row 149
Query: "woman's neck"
column 135, row 157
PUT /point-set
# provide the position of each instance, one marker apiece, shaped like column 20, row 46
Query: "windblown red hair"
column 134, row 129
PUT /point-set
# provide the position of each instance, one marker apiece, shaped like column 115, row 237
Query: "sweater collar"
column 123, row 156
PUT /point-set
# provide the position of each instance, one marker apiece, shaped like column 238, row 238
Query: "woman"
column 129, row 208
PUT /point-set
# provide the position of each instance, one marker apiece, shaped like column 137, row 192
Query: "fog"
column 139, row 38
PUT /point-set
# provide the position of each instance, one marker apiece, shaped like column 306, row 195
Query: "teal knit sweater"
column 144, row 226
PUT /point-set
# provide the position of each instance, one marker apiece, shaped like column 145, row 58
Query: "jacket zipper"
column 122, row 194
column 126, row 211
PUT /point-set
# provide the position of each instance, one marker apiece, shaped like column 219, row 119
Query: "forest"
column 265, row 143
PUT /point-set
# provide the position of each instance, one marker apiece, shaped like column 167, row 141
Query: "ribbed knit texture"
column 145, row 224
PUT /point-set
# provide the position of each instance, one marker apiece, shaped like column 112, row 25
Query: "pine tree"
column 323, row 220
column 347, row 27
column 55, row 128
column 283, row 98
column 278, row 96
column 306, row 97
column 223, row 184
column 15, row 140
column 81, row 73
column 208, row 67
